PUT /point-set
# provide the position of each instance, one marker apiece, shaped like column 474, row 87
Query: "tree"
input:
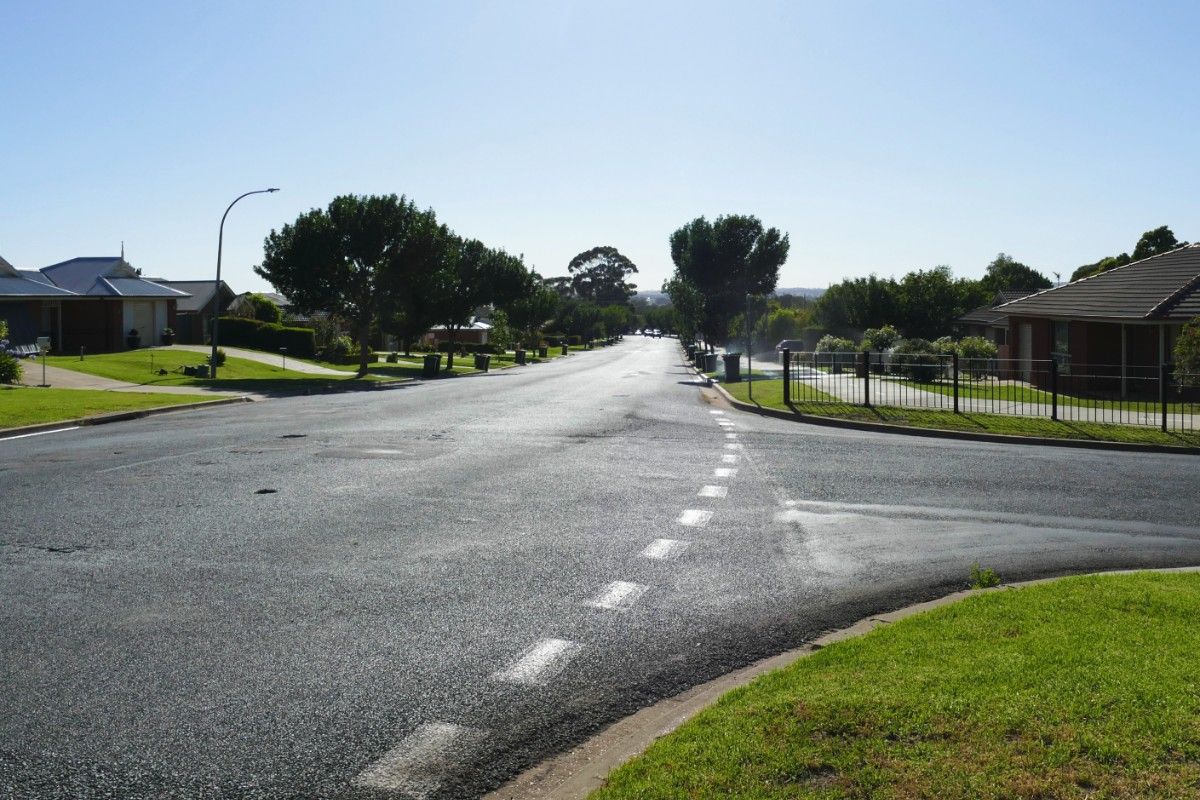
column 687, row 306
column 531, row 308
column 561, row 286
column 1006, row 274
column 599, row 275
column 1187, row 354
column 859, row 304
column 930, row 300
column 726, row 260
column 472, row 275
column 352, row 259
column 1156, row 242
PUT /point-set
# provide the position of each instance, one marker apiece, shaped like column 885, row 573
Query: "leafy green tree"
column 859, row 304
column 783, row 323
column 532, row 308
column 599, row 275
column 930, row 300
column 472, row 275
column 257, row 306
column 1006, row 274
column 726, row 260
column 687, row 306
column 1187, row 354
column 1103, row 265
column 616, row 318
column 1156, row 242
column 352, row 258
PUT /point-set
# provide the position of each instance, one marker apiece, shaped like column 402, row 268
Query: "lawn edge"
column 577, row 773
column 119, row 416
column 942, row 433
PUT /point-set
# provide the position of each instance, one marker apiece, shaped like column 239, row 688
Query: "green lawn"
column 143, row 366
column 31, row 405
column 770, row 395
column 1085, row 687
column 1021, row 393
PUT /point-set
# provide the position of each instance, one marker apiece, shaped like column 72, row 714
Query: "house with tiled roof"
column 194, row 313
column 1124, row 321
column 89, row 303
column 989, row 322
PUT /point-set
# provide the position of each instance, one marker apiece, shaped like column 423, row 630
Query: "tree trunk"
column 407, row 346
column 364, row 348
column 453, row 345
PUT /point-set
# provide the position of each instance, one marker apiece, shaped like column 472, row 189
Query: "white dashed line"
column 540, row 663
column 729, row 458
column 732, row 446
column 420, row 764
column 382, row 451
column 695, row 517
column 618, row 594
column 724, row 472
column 713, row 491
column 663, row 549
column 718, row 413
column 731, row 436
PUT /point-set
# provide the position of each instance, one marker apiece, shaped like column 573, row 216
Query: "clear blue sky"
column 882, row 136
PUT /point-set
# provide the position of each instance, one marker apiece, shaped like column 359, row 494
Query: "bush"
column 944, row 346
column 916, row 359
column 220, row 360
column 1187, row 354
column 879, row 339
column 257, row 306
column 268, row 336
column 983, row 578
column 10, row 365
column 976, row 347
column 834, row 344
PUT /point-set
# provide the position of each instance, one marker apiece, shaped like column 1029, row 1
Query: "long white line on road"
column 422, row 761
column 663, row 549
column 38, row 433
column 695, row 517
column 713, row 491
column 729, row 458
column 733, row 446
column 731, row 436
column 618, row 594
column 725, row 472
column 540, row 663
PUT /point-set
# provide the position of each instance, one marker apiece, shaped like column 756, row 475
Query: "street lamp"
column 212, row 362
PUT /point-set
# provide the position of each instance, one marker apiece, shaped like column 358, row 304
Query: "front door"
column 141, row 317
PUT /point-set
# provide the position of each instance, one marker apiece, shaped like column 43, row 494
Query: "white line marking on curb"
column 713, row 491
column 724, row 472
column 618, row 594
column 695, row 517
column 732, row 446
column 729, row 458
column 662, row 549
column 420, row 763
column 38, row 433
column 540, row 663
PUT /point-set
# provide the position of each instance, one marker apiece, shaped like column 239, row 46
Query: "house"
column 988, row 322
column 1122, row 324
column 89, row 303
column 194, row 314
column 476, row 332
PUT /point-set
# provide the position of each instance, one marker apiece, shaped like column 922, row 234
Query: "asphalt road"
column 448, row 581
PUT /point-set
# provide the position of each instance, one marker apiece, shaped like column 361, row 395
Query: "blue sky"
column 881, row 136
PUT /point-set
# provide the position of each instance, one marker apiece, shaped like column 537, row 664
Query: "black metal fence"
column 1058, row 390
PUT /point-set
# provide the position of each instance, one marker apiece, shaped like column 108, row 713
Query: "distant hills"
column 660, row 298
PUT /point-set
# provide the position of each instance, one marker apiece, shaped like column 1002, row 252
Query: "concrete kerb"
column 575, row 774
column 119, row 416
column 939, row 433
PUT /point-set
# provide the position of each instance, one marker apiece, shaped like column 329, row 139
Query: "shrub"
column 944, row 346
column 879, row 339
column 834, row 344
column 257, row 306
column 241, row 332
column 1187, row 354
column 916, row 360
column 220, row 360
column 10, row 365
column 983, row 578
column 976, row 347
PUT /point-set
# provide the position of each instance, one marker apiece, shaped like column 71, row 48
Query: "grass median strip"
column 1084, row 687
column 769, row 394
column 35, row 406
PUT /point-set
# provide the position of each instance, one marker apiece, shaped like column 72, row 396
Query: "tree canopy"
column 1006, row 274
column 599, row 275
column 1152, row 243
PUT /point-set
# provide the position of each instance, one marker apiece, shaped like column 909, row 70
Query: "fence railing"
column 1071, row 392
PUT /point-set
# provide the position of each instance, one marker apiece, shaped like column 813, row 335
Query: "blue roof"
column 19, row 283
column 105, row 276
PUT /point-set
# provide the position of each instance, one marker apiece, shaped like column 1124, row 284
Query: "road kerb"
column 577, row 773
column 120, row 416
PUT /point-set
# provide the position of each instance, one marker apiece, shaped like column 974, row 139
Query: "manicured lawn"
column 770, row 395
column 33, row 406
column 143, row 366
column 1084, row 687
column 1021, row 393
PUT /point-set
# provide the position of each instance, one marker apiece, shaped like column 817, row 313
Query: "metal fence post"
column 1163, row 372
column 1053, row 389
column 866, row 378
column 954, row 367
column 787, row 376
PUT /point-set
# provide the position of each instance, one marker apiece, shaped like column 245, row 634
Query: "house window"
column 1000, row 336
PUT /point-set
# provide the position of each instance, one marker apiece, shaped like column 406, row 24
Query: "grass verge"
column 1084, row 687
column 24, row 405
column 769, row 394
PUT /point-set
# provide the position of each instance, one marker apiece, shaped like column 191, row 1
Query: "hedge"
column 269, row 336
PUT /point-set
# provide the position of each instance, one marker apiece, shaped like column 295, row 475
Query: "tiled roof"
column 22, row 283
column 1162, row 287
column 984, row 315
column 201, row 293
column 104, row 276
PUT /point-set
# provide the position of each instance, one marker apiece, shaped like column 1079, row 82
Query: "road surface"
column 419, row 591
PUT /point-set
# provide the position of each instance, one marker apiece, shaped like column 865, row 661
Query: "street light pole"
column 212, row 361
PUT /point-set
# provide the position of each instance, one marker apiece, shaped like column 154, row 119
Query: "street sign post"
column 43, row 343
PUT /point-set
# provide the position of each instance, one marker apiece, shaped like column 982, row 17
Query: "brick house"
column 1121, row 324
column 194, row 313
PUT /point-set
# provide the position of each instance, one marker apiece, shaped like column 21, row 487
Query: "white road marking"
column 733, row 446
column 618, row 594
column 695, row 517
column 662, row 549
column 422, row 761
column 729, row 458
column 540, row 663
column 38, row 433
column 718, row 413
column 382, row 451
column 731, row 436
column 713, row 491
column 724, row 472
